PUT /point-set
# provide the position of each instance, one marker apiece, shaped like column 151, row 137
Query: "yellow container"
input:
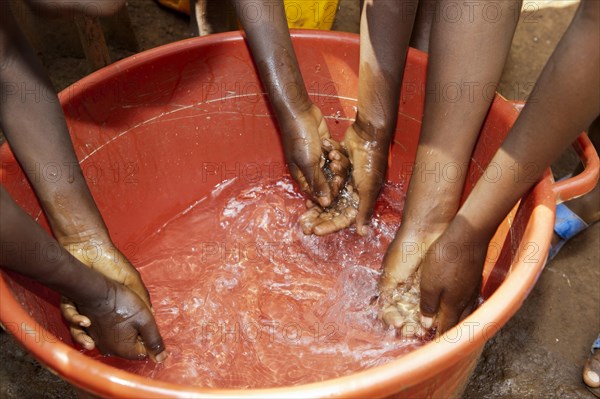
column 301, row 14
column 311, row 14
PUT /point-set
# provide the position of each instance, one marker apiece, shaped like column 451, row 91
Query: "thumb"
column 429, row 304
column 153, row 341
column 367, row 195
column 317, row 183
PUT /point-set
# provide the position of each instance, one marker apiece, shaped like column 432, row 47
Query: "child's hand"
column 121, row 324
column 368, row 160
column 369, row 164
column 451, row 276
column 99, row 253
column 400, row 267
column 342, row 212
column 337, row 216
column 304, row 154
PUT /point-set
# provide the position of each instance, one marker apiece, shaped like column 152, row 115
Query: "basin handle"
column 584, row 182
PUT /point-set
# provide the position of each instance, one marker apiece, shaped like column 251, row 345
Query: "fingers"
column 72, row 315
column 448, row 317
column 446, row 313
column 313, row 182
column 77, row 323
column 153, row 342
column 310, row 219
column 392, row 317
column 368, row 191
column 365, row 210
column 81, row 337
column 319, row 222
column 299, row 177
column 317, row 183
column 430, row 303
column 340, row 166
column 339, row 222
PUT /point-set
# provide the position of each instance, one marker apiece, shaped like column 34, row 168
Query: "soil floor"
column 538, row 354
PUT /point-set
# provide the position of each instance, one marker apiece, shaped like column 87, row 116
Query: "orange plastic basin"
column 159, row 130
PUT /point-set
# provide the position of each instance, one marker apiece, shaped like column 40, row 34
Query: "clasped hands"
column 342, row 180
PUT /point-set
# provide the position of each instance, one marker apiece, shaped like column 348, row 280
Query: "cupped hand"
column 122, row 324
column 369, row 159
column 354, row 202
column 400, row 275
column 451, row 274
column 338, row 216
column 303, row 139
column 99, row 253
column 342, row 212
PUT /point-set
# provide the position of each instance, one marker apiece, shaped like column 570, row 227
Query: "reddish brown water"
column 244, row 299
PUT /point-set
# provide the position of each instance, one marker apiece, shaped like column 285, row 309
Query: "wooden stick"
column 93, row 42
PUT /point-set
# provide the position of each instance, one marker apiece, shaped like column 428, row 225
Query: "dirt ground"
column 539, row 353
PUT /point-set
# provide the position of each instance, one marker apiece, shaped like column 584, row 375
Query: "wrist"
column 76, row 281
column 469, row 232
column 373, row 130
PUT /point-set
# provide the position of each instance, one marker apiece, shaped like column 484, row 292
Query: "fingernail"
column 427, row 322
column 161, row 357
column 324, row 201
column 84, row 324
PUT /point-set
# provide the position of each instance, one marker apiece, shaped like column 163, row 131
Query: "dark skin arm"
column 563, row 103
column 33, row 122
column 451, row 123
column 302, row 124
column 367, row 141
column 121, row 324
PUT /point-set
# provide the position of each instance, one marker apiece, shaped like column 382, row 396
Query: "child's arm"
column 466, row 60
column 385, row 31
column 118, row 316
column 33, row 122
column 301, row 123
column 563, row 103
